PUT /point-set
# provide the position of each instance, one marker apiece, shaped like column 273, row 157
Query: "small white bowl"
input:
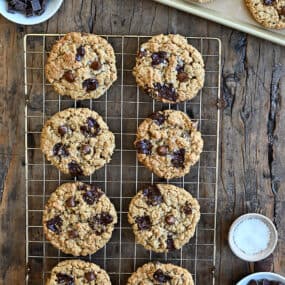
column 20, row 18
column 260, row 255
column 261, row 275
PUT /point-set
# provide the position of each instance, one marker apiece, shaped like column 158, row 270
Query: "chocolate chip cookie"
column 78, row 272
column 79, row 218
column 269, row 13
column 77, row 141
column 168, row 143
column 82, row 66
column 163, row 217
column 169, row 69
column 158, row 273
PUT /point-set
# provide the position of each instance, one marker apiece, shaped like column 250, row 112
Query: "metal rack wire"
column 123, row 107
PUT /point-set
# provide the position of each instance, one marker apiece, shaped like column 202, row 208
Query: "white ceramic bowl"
column 19, row 18
column 261, row 275
column 261, row 255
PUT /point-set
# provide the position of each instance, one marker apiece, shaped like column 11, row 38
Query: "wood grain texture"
column 252, row 173
column 12, row 184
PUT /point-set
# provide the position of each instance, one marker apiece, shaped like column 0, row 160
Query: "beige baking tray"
column 231, row 13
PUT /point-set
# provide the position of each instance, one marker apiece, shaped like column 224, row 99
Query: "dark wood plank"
column 12, row 185
column 252, row 134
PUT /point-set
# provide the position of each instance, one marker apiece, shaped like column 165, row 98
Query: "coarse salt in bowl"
column 252, row 237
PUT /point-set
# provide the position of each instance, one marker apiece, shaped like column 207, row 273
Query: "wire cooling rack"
column 123, row 107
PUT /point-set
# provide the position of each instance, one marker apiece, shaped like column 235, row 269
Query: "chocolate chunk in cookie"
column 160, row 276
column 178, row 158
column 144, row 147
column 93, row 195
column 96, row 65
column 153, row 195
column 162, row 150
column 70, row 202
column 170, row 220
column 269, row 2
column 170, row 243
column 60, row 150
column 69, row 76
column 86, row 149
column 75, row 169
column 92, row 128
column 90, row 276
column 54, row 224
column 63, row 130
column 158, row 118
column 65, row 279
column 187, row 208
column 80, row 52
column 99, row 222
column 90, row 84
column 182, row 77
column 159, row 57
column 165, row 91
column 143, row 223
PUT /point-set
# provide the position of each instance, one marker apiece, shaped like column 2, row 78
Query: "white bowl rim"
column 261, row 275
column 258, row 257
column 36, row 19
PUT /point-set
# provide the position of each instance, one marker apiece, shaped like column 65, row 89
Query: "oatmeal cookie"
column 269, row 13
column 79, row 218
column 78, row 272
column 169, row 69
column 82, row 66
column 158, row 273
column 163, row 217
column 168, row 143
column 77, row 141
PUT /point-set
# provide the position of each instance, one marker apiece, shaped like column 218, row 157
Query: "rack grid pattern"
column 123, row 107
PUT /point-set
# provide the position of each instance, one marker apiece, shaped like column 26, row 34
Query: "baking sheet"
column 231, row 13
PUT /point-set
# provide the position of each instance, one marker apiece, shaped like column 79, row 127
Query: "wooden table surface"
column 252, row 173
